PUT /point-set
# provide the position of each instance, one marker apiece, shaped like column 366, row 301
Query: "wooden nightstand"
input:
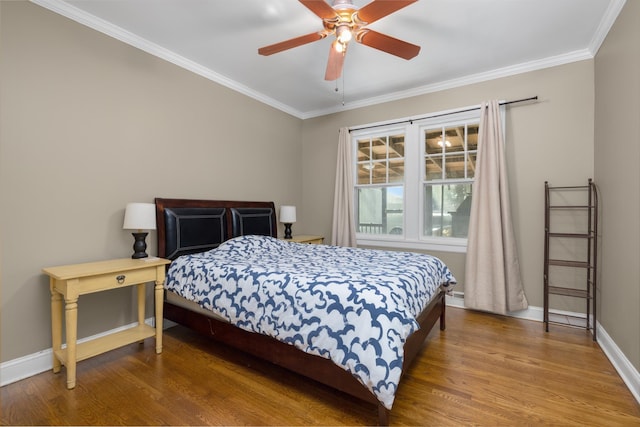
column 71, row 281
column 316, row 240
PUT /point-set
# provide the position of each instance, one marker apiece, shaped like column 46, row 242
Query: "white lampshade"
column 140, row 216
column 287, row 214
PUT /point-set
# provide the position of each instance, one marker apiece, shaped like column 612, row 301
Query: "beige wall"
column 617, row 154
column 88, row 124
column 549, row 140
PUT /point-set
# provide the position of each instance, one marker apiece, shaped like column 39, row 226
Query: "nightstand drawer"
column 114, row 280
column 79, row 279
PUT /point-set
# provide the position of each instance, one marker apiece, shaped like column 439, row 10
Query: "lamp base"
column 287, row 231
column 139, row 246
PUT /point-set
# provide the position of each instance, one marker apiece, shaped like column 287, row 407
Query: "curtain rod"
column 532, row 98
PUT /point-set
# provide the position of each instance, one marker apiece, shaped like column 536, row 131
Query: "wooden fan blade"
column 288, row 44
column 380, row 8
column 335, row 63
column 321, row 8
column 387, row 44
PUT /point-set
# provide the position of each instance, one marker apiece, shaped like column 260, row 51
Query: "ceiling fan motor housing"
column 343, row 4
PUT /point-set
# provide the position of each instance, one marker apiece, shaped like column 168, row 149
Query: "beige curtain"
column 343, row 232
column 492, row 280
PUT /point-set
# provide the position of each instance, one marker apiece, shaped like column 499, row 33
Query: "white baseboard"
column 32, row 364
column 26, row 366
column 531, row 313
column 625, row 368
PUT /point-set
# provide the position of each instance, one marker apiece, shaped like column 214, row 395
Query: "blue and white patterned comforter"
column 354, row 306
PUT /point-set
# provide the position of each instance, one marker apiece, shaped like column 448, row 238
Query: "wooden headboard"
column 188, row 226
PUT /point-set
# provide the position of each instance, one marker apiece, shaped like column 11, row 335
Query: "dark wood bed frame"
column 188, row 226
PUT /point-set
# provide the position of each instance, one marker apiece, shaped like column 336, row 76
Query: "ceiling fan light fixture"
column 343, row 32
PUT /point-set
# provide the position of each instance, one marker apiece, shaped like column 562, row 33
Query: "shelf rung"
column 565, row 263
column 569, row 292
column 575, row 187
column 570, row 207
column 570, row 325
column 575, row 235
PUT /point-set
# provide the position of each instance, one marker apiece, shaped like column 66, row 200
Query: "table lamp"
column 140, row 217
column 287, row 217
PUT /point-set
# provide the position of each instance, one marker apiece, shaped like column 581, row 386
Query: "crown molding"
column 609, row 18
column 91, row 21
column 512, row 70
column 118, row 33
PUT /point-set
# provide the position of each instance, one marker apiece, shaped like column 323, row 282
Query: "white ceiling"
column 463, row 41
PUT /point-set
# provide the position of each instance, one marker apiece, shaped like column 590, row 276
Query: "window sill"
column 456, row 245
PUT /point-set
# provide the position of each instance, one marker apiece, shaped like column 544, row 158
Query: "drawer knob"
column 120, row 279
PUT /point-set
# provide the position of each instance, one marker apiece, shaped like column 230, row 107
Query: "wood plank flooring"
column 484, row 370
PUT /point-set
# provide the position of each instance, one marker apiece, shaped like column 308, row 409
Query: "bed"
column 300, row 308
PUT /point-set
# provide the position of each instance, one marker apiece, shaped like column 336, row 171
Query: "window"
column 379, row 184
column 414, row 181
column 449, row 165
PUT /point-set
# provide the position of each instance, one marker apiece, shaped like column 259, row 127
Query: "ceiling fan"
column 347, row 22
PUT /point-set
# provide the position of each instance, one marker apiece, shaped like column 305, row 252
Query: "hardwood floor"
column 484, row 370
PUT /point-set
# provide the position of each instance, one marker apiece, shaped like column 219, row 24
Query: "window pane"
column 471, row 165
column 380, row 210
column 454, row 166
column 364, row 152
column 433, row 167
column 396, row 170
column 453, row 139
column 432, row 137
column 446, row 210
column 379, row 173
column 364, row 176
column 396, row 146
column 472, row 137
column 379, row 148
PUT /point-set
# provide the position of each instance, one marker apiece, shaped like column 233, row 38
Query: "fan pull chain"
column 343, row 73
column 337, row 89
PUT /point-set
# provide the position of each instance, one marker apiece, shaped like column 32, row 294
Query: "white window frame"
column 385, row 131
column 413, row 216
